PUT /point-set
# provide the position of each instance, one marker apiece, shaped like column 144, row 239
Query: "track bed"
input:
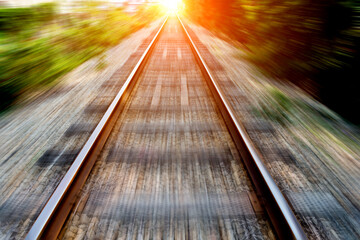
column 170, row 169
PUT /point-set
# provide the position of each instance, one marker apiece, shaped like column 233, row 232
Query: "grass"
column 298, row 113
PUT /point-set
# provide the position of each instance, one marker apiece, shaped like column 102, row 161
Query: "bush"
column 24, row 65
column 35, row 51
column 296, row 41
column 16, row 19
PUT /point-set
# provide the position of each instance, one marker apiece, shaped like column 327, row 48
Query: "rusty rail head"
column 95, row 141
column 281, row 215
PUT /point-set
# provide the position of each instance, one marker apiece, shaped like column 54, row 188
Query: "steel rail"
column 281, row 215
column 279, row 210
column 90, row 150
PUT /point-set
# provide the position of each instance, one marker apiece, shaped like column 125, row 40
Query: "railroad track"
column 168, row 160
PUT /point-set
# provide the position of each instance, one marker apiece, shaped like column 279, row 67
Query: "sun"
column 171, row 6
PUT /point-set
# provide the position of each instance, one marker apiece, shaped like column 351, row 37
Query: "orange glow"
column 172, row 6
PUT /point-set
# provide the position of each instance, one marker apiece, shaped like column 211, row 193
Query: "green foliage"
column 290, row 111
column 295, row 40
column 16, row 19
column 278, row 107
column 305, row 36
column 147, row 14
column 25, row 61
column 35, row 50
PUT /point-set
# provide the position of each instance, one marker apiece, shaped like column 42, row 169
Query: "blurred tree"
column 16, row 19
column 295, row 40
column 212, row 13
column 35, row 50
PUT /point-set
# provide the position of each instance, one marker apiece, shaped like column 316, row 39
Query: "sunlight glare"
column 171, row 6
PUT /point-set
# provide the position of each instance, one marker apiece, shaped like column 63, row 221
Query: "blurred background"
column 314, row 44
column 41, row 40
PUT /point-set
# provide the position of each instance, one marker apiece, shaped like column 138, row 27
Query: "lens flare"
column 171, row 6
